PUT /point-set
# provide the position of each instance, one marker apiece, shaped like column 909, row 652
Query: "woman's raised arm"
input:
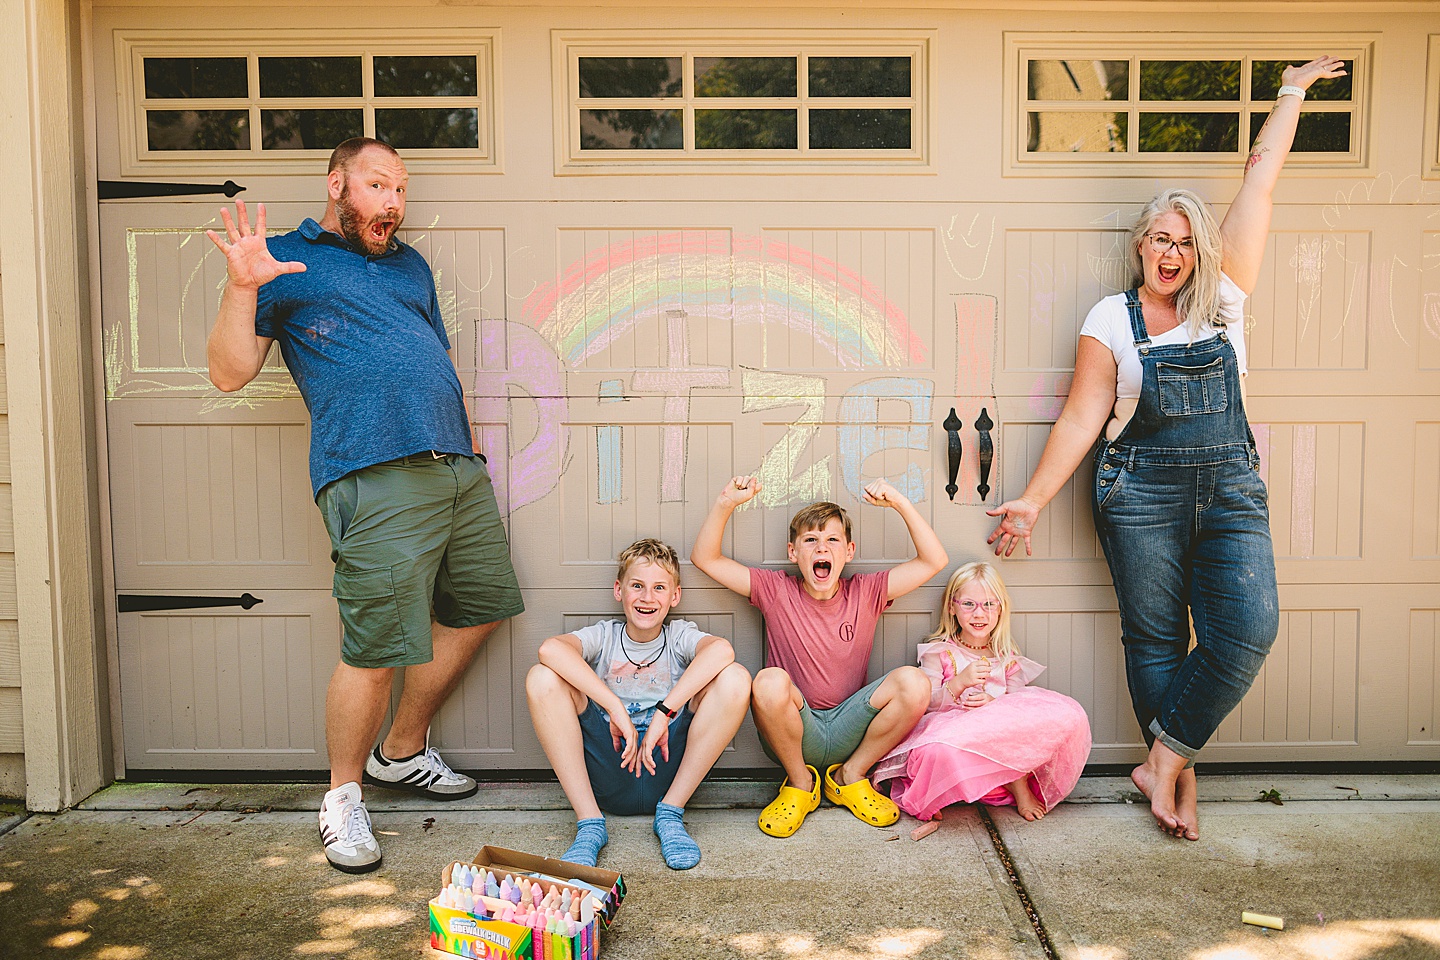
column 1247, row 222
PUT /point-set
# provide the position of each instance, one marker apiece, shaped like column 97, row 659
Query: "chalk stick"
column 1262, row 920
column 924, row 830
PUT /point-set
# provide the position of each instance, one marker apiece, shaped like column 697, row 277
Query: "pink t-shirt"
column 823, row 644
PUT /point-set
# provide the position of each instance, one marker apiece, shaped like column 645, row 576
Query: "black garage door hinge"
column 132, row 189
column 141, row 602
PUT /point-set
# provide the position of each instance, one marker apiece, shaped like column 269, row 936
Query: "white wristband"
column 1291, row 91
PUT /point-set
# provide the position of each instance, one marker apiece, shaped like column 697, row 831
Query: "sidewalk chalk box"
column 463, row 934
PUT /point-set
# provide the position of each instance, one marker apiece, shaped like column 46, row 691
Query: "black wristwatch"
column 668, row 711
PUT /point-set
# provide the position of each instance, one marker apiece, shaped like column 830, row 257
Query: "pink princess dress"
column 961, row 755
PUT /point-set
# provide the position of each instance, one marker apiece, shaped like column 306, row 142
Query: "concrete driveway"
column 165, row 872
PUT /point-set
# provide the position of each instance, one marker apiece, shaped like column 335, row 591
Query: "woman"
column 1179, row 504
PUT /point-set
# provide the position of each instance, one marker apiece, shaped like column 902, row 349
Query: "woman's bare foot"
column 1025, row 800
column 1157, row 778
column 1186, row 803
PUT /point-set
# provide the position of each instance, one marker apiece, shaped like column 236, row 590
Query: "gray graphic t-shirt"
column 640, row 674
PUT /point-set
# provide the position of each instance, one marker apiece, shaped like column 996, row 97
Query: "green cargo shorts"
column 831, row 735
column 415, row 540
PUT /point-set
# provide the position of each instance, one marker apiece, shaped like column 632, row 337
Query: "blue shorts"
column 618, row 791
column 833, row 734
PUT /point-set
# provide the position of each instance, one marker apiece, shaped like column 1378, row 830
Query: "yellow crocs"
column 861, row 799
column 787, row 811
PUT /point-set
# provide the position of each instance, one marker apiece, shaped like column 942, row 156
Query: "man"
column 422, row 568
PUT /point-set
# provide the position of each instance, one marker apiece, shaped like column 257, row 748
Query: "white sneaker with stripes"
column 424, row 774
column 345, row 830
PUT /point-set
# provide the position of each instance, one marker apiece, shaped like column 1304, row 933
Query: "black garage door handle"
column 140, row 602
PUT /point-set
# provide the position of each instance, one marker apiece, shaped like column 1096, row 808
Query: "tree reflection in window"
column 309, row 129
column 313, row 102
column 745, row 77
column 1189, row 132
column 859, row 76
column 1189, row 79
column 1175, row 107
column 860, row 129
column 1265, row 81
column 631, row 130
column 745, row 103
column 429, row 129
column 426, row 77
column 746, row 130
column 630, row 78
column 197, row 129
column 185, row 78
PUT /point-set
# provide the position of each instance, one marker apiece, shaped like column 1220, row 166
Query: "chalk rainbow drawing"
column 600, row 298
column 749, row 280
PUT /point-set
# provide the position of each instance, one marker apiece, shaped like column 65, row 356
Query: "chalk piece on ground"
column 924, row 830
column 1262, row 920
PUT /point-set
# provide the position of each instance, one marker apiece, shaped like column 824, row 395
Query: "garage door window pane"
column 1190, row 80
column 630, row 77
column 183, row 78
column 1265, row 82
column 1079, row 80
column 859, row 76
column 310, row 77
column 197, row 129
column 631, row 130
column 860, row 129
column 1061, row 132
column 746, row 77
column 1316, row 133
column 309, row 129
column 1189, row 132
column 746, row 130
column 442, row 128
column 426, row 77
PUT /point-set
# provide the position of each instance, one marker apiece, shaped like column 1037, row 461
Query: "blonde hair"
column 1198, row 302
column 1001, row 640
column 815, row 516
column 654, row 551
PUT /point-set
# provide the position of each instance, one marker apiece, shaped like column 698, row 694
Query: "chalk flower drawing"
column 1309, row 260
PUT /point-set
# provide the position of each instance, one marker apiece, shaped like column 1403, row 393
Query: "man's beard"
column 358, row 232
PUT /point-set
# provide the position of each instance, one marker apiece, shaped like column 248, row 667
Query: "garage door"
column 627, row 344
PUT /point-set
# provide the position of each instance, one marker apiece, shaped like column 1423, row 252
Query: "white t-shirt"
column 1109, row 322
column 605, row 646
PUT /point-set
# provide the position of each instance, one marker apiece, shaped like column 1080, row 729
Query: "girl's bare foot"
column 1157, row 778
column 1025, row 800
column 1186, row 803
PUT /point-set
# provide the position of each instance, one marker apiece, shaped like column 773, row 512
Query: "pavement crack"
column 1003, row 852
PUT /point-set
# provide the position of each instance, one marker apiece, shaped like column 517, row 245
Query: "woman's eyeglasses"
column 1162, row 242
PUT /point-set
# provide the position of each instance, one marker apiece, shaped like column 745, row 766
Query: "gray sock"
column 590, row 837
column 680, row 850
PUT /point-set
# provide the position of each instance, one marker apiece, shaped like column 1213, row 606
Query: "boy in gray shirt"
column 606, row 698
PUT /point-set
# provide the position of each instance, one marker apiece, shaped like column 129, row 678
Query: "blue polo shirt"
column 365, row 342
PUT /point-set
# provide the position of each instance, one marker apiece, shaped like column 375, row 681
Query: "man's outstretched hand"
column 247, row 258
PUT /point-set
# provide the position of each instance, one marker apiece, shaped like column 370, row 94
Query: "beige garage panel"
column 627, row 342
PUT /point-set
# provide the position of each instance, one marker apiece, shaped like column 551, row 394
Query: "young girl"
column 987, row 735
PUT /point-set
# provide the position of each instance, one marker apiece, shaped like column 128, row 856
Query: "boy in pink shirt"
column 811, row 704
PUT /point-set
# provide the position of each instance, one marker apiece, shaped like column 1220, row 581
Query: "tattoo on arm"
column 1255, row 156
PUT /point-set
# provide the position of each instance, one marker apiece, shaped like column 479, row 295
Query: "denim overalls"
column 1181, row 512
